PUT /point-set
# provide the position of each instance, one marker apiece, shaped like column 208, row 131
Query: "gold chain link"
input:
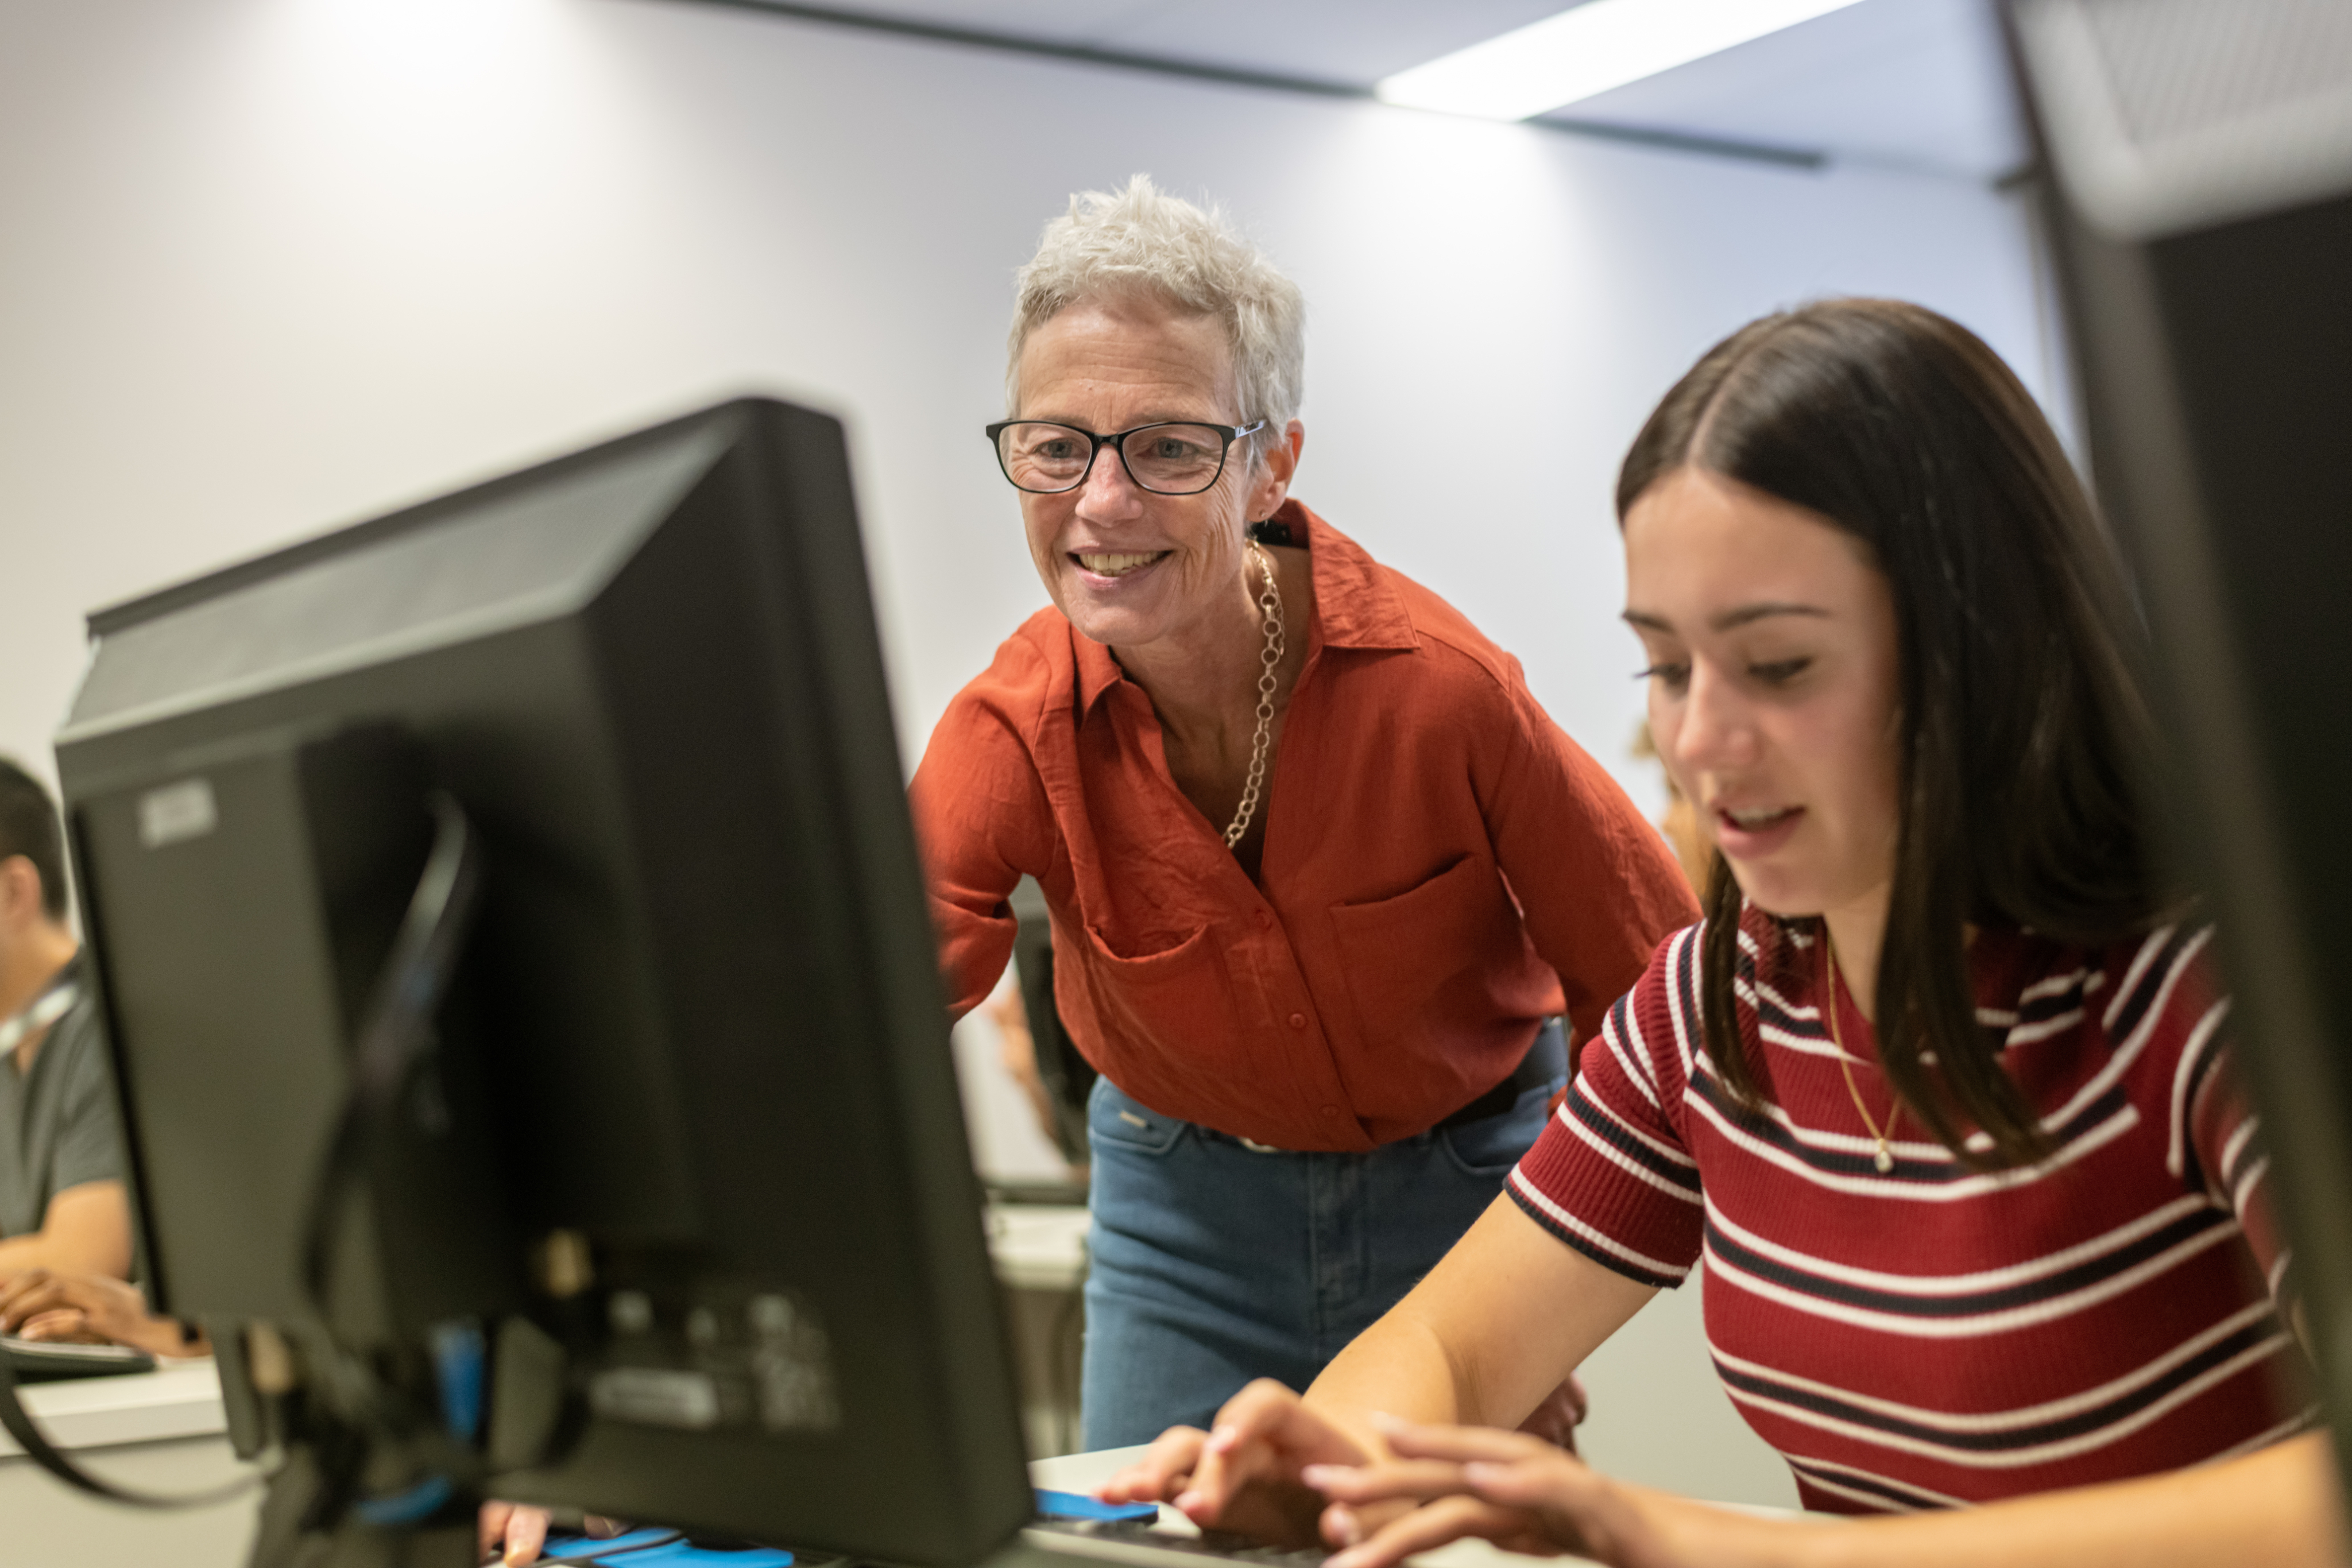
column 1269, row 608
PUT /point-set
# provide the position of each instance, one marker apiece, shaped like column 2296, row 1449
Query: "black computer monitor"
column 2200, row 157
column 672, row 1217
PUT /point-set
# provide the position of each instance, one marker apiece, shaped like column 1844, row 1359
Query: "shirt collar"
column 52, row 1003
column 1355, row 605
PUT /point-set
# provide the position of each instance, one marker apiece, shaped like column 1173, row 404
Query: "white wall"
column 270, row 265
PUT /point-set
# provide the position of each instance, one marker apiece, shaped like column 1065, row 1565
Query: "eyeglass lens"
column 1175, row 459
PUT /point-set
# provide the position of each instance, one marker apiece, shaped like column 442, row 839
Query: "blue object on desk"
column 1075, row 1505
column 657, row 1548
column 459, row 1356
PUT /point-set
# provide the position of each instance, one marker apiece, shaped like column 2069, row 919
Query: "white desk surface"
column 1033, row 1246
column 1038, row 1247
column 178, row 1399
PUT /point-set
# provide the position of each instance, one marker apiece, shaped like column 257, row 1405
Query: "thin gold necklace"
column 1885, row 1161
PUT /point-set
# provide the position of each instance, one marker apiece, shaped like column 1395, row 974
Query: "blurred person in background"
column 62, row 1206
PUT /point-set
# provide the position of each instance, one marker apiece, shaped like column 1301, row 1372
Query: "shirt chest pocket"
column 1423, row 965
column 1177, row 998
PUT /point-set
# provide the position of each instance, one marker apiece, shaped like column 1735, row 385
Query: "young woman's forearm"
column 2277, row 1508
column 1398, row 1366
column 1500, row 1323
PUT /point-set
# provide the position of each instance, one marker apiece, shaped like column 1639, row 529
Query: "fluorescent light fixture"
column 1588, row 51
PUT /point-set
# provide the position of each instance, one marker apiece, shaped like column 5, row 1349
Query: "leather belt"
column 1547, row 1059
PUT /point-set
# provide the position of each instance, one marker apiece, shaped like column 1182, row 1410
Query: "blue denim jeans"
column 1213, row 1263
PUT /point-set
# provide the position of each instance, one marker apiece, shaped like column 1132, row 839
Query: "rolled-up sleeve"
column 1597, row 885
column 982, row 819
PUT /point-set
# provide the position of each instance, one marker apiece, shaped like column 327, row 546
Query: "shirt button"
column 1298, row 1020
column 1330, row 1109
column 1264, row 921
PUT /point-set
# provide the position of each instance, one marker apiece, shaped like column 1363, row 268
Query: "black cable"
column 42, row 1452
column 399, row 1030
column 397, row 1034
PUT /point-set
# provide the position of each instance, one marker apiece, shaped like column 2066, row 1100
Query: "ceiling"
column 1915, row 84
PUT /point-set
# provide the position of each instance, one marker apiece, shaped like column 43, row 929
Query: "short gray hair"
column 1142, row 240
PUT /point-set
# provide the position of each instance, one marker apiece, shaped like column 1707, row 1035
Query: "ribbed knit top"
column 1933, row 1335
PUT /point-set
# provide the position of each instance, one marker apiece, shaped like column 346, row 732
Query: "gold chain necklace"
column 1885, row 1160
column 1269, row 608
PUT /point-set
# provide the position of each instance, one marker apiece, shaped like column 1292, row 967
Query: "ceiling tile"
column 1917, row 83
column 1912, row 82
column 1354, row 41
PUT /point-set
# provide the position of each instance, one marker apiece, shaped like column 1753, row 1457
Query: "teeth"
column 1757, row 815
column 1117, row 565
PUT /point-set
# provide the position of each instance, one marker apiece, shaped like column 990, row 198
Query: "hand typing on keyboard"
column 1440, row 1484
column 1243, row 1476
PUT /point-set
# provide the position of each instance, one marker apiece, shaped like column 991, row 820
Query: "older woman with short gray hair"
column 1322, row 873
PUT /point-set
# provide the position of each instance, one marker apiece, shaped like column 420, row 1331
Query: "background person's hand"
column 513, row 1532
column 89, row 1308
column 1561, row 1413
column 1016, row 1052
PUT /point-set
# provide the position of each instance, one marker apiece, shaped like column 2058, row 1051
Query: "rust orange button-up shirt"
column 1443, row 868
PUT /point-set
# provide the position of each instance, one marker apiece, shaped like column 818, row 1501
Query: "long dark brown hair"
column 2023, row 733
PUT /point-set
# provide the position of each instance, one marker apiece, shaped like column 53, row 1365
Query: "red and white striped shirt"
column 1931, row 1335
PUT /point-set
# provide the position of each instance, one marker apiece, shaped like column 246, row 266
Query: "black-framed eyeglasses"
column 1171, row 457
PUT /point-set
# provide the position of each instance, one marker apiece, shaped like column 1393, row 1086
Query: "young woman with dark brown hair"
column 1940, row 1087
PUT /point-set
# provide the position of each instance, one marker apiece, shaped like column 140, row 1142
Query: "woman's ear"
column 1270, row 484
column 20, row 890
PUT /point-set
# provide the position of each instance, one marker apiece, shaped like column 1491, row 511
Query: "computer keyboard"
column 1144, row 1536
column 42, row 1361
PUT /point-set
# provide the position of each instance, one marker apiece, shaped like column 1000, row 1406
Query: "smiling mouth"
column 1118, row 565
column 1756, row 818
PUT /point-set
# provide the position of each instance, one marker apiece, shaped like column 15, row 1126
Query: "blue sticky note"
column 660, row 1549
column 592, row 1546
column 1074, row 1505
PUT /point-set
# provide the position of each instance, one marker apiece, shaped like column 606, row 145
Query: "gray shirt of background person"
column 57, row 1122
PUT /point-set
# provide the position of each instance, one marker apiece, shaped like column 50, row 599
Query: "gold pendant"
column 1885, row 1160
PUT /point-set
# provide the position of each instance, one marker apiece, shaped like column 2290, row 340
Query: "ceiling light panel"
column 1598, row 45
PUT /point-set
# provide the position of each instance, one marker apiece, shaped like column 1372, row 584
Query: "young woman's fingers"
column 1410, row 1439
column 1417, row 1481
column 1162, row 1472
column 1264, row 1409
column 1346, row 1524
column 1260, row 1436
column 1431, row 1526
column 1223, row 1476
column 1558, row 1484
column 1574, row 1507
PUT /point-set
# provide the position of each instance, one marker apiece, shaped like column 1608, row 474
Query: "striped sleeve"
column 2215, row 1144
column 1610, row 1177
